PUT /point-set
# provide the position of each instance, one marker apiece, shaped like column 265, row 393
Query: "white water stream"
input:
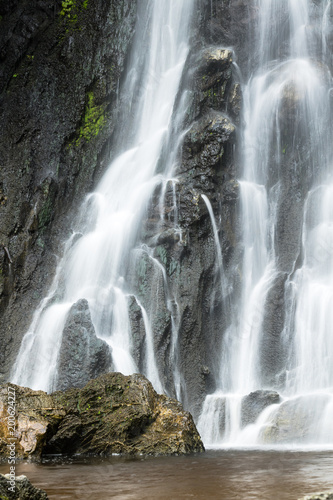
column 287, row 148
column 95, row 267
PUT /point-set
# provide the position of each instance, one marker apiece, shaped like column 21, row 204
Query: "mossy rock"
column 111, row 414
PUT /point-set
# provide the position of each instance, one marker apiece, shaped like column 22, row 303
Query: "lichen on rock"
column 23, row 489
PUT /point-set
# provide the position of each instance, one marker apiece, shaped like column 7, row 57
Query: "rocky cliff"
column 61, row 63
column 186, row 246
column 60, row 67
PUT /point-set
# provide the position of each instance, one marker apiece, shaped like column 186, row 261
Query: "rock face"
column 24, row 490
column 192, row 315
column 295, row 420
column 82, row 355
column 255, row 403
column 60, row 66
column 111, row 414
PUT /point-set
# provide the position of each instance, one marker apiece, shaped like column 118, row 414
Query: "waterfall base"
column 265, row 419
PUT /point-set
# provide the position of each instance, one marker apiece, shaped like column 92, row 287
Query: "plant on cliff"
column 93, row 120
column 70, row 9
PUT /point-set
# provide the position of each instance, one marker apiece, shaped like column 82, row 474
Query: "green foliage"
column 67, row 8
column 71, row 9
column 93, row 120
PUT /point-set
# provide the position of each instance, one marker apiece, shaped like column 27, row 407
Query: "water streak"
column 96, row 267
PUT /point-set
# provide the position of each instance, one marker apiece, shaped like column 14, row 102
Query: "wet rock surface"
column 319, row 496
column 255, row 403
column 82, row 355
column 182, row 239
column 111, row 414
column 23, row 489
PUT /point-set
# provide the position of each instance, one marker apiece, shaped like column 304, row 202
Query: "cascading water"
column 95, row 267
column 282, row 337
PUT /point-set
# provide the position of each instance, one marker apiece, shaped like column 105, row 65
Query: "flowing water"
column 282, row 339
column 95, row 266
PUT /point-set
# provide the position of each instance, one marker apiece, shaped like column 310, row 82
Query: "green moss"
column 68, row 6
column 93, row 120
column 71, row 9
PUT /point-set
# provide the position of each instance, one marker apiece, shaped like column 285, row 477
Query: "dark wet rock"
column 255, row 403
column 319, row 496
column 274, row 350
column 211, row 82
column 203, row 144
column 82, row 355
column 149, row 274
column 182, row 240
column 111, row 414
column 19, row 489
column 138, row 332
column 229, row 23
column 235, row 102
column 60, row 66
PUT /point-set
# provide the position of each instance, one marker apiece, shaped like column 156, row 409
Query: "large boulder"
column 299, row 420
column 82, row 355
column 111, row 414
column 19, row 488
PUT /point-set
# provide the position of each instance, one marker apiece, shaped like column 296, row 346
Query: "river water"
column 227, row 474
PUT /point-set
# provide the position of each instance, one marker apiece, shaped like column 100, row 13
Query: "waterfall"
column 95, row 264
column 275, row 384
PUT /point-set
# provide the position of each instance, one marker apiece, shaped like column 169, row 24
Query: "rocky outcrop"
column 111, row 414
column 82, row 355
column 19, row 489
column 319, row 496
column 230, row 23
column 255, row 403
column 178, row 277
column 296, row 420
column 60, row 66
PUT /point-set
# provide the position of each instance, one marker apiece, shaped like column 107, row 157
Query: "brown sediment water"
column 233, row 474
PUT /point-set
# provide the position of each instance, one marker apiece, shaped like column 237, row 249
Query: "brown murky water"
column 264, row 475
